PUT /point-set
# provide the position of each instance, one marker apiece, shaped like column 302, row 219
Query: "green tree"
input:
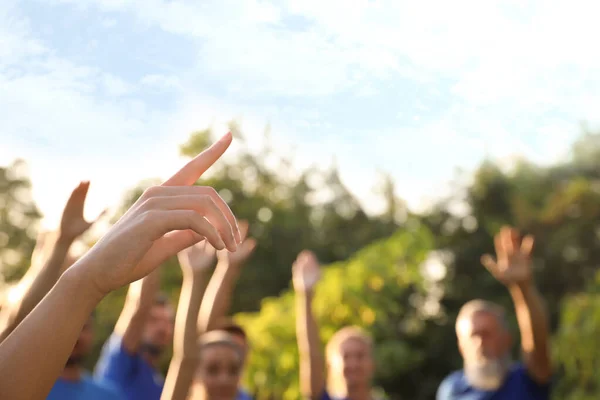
column 381, row 289
column 19, row 218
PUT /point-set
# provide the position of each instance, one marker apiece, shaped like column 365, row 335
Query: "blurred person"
column 219, row 368
column 484, row 339
column 217, row 299
column 131, row 355
column 196, row 315
column 77, row 384
column 349, row 353
column 165, row 220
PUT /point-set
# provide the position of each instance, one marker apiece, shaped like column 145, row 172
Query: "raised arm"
column 195, row 263
column 513, row 269
column 217, row 299
column 136, row 310
column 164, row 221
column 306, row 274
column 48, row 262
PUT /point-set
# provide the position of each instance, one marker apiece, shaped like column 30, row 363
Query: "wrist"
column 192, row 273
column 64, row 241
column 228, row 267
column 79, row 285
column 521, row 287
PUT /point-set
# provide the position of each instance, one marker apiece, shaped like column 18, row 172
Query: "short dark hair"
column 232, row 328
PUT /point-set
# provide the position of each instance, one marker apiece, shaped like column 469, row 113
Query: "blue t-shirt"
column 130, row 372
column 517, row 386
column 243, row 395
column 84, row 389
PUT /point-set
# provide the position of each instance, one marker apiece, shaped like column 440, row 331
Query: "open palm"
column 197, row 258
column 73, row 224
column 513, row 257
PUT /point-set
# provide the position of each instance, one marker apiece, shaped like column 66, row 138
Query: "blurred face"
column 485, row 346
column 158, row 331
column 354, row 362
column 218, row 373
column 83, row 344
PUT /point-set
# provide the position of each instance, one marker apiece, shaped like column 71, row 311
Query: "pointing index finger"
column 194, row 169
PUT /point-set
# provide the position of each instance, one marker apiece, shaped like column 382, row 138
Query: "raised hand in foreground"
column 165, row 220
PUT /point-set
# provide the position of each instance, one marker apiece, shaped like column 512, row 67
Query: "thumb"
column 249, row 245
column 489, row 263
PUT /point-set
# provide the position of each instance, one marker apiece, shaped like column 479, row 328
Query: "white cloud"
column 499, row 65
column 116, row 87
column 162, row 82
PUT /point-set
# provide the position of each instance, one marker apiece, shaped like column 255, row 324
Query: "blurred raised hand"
column 244, row 250
column 73, row 223
column 512, row 265
column 306, row 271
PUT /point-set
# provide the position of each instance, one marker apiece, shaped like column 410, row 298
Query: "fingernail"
column 221, row 244
column 233, row 247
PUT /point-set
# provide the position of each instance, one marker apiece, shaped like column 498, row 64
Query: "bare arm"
column 52, row 252
column 36, row 283
column 195, row 263
column 533, row 325
column 139, row 301
column 164, row 221
column 312, row 365
column 38, row 348
column 217, row 299
column 513, row 269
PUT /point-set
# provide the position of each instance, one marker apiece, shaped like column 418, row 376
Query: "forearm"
column 217, row 299
column 37, row 350
column 312, row 373
column 533, row 326
column 139, row 301
column 185, row 344
column 186, row 334
column 38, row 281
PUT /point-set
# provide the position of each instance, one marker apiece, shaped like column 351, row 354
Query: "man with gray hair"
column 485, row 342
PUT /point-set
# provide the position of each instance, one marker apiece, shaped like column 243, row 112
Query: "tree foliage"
column 381, row 289
column 410, row 317
column 18, row 221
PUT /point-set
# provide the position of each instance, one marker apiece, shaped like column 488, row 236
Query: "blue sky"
column 106, row 89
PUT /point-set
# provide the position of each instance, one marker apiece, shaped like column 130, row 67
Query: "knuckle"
column 152, row 191
column 207, row 201
column 149, row 203
column 147, row 217
column 209, row 190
